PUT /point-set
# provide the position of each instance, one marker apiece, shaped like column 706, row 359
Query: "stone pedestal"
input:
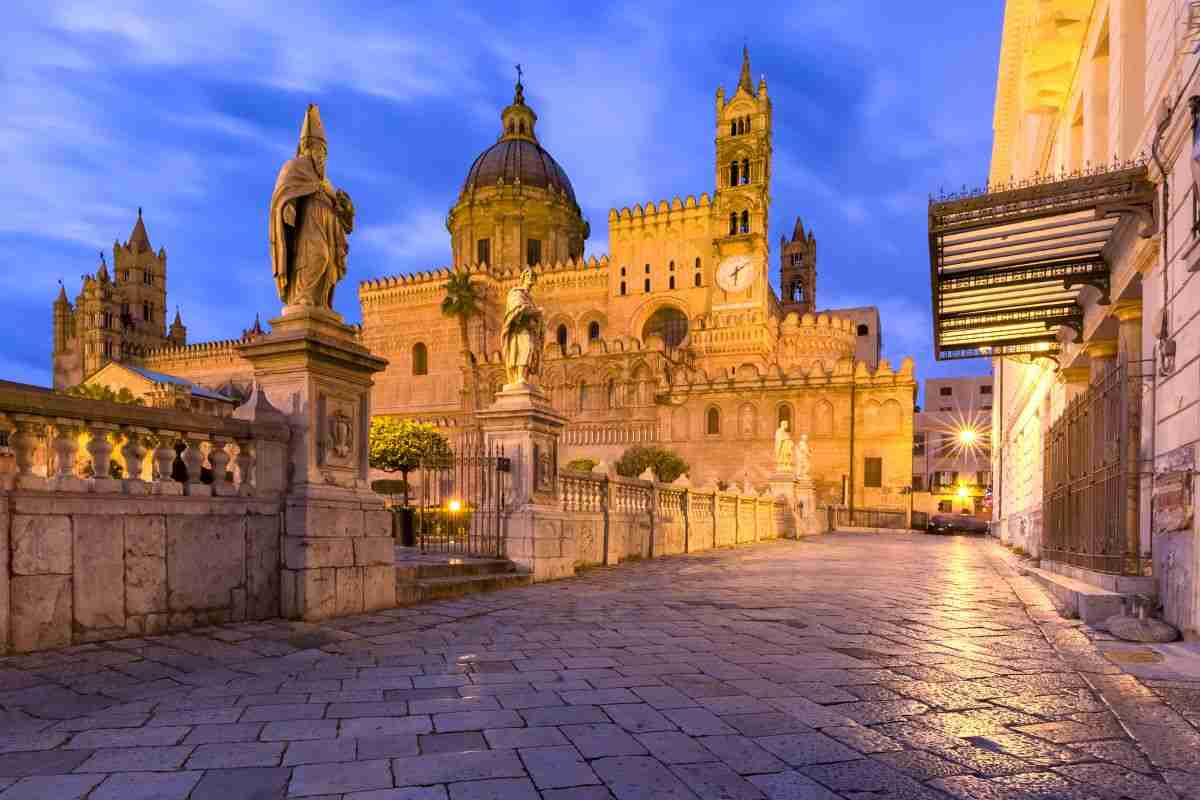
column 801, row 494
column 338, row 556
column 523, row 423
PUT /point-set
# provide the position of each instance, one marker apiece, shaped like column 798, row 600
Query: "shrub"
column 401, row 445
column 582, row 464
column 667, row 465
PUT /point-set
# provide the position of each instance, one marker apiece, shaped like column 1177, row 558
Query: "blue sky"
column 189, row 109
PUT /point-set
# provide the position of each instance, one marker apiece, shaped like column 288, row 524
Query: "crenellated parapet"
column 428, row 285
column 654, row 215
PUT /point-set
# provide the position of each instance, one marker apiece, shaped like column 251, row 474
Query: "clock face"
column 736, row 273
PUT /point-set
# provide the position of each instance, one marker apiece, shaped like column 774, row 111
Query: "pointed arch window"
column 748, row 121
column 593, row 331
column 745, row 222
column 420, row 359
column 733, row 223
column 733, row 128
column 712, row 422
column 699, row 281
column 785, row 415
column 671, row 282
column 745, row 170
column 733, row 173
column 561, row 336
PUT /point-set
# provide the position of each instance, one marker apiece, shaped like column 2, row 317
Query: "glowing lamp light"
column 963, row 491
column 455, row 506
column 967, row 436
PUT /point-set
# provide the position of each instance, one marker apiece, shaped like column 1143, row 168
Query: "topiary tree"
column 96, row 391
column 402, row 445
column 667, row 464
column 582, row 464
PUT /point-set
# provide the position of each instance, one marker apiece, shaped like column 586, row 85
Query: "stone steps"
column 420, row 583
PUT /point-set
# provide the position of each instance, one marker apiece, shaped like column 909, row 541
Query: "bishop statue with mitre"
column 309, row 222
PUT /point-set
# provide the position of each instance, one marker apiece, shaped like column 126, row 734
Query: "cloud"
column 417, row 240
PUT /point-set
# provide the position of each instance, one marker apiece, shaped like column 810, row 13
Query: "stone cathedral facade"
column 675, row 338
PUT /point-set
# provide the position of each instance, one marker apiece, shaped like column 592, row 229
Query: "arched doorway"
column 669, row 323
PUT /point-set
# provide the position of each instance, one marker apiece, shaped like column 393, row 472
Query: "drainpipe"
column 850, row 487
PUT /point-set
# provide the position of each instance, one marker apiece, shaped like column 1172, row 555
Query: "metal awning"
column 1007, row 264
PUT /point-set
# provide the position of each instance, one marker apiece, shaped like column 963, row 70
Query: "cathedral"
column 675, row 338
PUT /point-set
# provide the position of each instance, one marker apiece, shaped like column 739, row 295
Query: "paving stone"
column 147, row 786
column 238, row 732
column 135, row 759
column 1118, row 780
column 578, row 793
column 390, row 708
column 226, row 784
column 289, row 730
column 969, row 787
column 698, row 721
column 799, row 749
column 672, row 747
column 599, row 740
column 407, row 793
column 862, row 738
column 241, row 754
column 922, row 765
column 664, row 697
column 41, row 762
column 320, row 751
column 453, row 767
column 476, row 721
column 398, row 745
column 505, row 738
column 335, row 778
column 566, row 715
column 638, row 718
column 715, row 779
column 127, row 737
column 556, row 767
column 791, row 785
column 369, row 727
column 51, row 787
column 640, row 778
column 498, row 789
column 283, row 711
column 451, row 743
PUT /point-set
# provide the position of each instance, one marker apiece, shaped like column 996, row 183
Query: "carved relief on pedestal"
column 336, row 438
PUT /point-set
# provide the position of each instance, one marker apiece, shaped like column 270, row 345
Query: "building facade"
column 952, row 468
column 1079, row 281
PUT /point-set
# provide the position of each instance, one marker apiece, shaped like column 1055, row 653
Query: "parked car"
column 956, row 523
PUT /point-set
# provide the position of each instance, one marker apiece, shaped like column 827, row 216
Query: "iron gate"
column 1091, row 466
column 460, row 502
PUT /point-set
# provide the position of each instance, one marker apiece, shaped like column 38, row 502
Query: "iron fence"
column 1090, row 497
column 459, row 503
column 842, row 517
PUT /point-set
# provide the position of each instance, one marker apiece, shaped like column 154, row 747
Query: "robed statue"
column 309, row 223
column 784, row 448
column 803, row 458
column 522, row 333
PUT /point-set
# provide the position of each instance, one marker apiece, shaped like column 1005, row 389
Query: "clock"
column 736, row 273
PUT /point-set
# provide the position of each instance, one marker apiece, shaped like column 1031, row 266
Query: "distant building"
column 952, row 448
column 159, row 390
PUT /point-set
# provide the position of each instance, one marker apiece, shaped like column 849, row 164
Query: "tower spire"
column 744, row 80
column 138, row 240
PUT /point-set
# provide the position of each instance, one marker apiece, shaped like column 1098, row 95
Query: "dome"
column 523, row 159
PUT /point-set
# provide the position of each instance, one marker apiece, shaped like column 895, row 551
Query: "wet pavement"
column 844, row 666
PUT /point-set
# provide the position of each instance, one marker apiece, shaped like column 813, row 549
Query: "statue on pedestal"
column 522, row 334
column 784, row 448
column 309, row 223
column 803, row 458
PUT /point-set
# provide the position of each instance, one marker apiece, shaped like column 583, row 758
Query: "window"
column 671, row 266
column 712, row 422
column 863, row 330
column 671, row 282
column 622, row 272
column 622, row 287
column 593, row 331
column 797, row 293
column 983, row 478
column 985, row 389
column 420, row 359
column 785, row 415
column 148, row 278
column 125, row 275
column 873, row 472
column 108, row 350
column 647, row 270
column 748, row 121
column 733, row 129
column 741, row 126
column 918, row 483
column 147, row 312
column 646, row 284
column 108, row 320
column 697, row 263
column 796, row 259
column 745, row 222
column 483, row 251
column 946, row 506
column 124, row 309
column 732, row 223
column 699, row 280
column 919, row 443
column 946, row 391
column 533, row 252
column 745, row 170
column 561, row 336
column 733, row 173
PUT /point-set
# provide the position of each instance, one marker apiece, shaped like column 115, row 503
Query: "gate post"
column 523, row 422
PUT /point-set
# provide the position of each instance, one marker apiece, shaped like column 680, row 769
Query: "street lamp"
column 967, row 436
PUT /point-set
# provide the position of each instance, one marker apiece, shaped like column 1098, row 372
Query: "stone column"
column 338, row 553
column 1129, row 349
column 1074, row 381
column 523, row 422
column 1103, row 355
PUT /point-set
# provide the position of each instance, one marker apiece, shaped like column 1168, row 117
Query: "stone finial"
column 258, row 408
column 647, row 475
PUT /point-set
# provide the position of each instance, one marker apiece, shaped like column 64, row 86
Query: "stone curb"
column 1167, row 739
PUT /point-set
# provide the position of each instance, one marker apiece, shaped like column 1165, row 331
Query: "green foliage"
column 667, row 465
column 460, row 302
column 581, row 464
column 94, row 391
column 401, row 445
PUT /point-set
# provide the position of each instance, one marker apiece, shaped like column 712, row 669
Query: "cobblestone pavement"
column 851, row 666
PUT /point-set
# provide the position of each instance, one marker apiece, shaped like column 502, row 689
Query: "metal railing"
column 842, row 517
column 460, row 502
column 1090, row 498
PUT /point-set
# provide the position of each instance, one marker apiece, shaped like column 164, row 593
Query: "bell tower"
column 741, row 207
column 798, row 270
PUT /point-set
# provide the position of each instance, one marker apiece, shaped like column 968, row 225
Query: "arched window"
column 712, row 422
column 671, row 282
column 785, row 415
column 733, row 129
column 561, row 335
column 510, row 126
column 622, row 287
column 797, row 292
column 732, row 223
column 748, row 120
column 745, row 222
column 699, row 280
column 697, row 263
column 521, row 126
column 733, row 173
column 741, row 126
column 147, row 312
column 646, row 284
column 863, row 330
column 420, row 359
column 671, row 266
column 745, row 170
column 593, row 331
column 667, row 322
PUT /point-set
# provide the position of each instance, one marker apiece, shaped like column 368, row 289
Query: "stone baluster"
column 24, row 440
column 66, row 448
column 164, row 455
column 245, row 464
column 193, row 459
column 101, row 449
column 218, row 458
column 134, row 453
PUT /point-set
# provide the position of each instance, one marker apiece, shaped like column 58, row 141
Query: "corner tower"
column 742, row 204
column 798, row 270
